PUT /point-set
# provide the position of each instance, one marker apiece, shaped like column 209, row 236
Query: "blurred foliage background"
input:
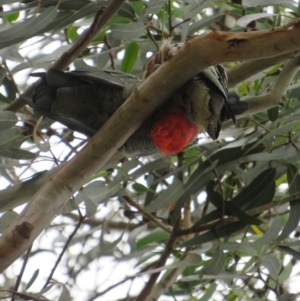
column 238, row 196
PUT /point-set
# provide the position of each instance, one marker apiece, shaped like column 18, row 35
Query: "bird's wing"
column 112, row 77
column 82, row 100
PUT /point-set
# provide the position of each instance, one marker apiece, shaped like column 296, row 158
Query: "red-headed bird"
column 84, row 100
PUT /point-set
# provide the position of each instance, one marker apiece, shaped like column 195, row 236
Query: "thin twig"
column 170, row 17
column 182, row 22
column 161, row 262
column 149, row 216
column 110, row 288
column 21, row 272
column 150, row 36
column 112, row 62
column 81, row 219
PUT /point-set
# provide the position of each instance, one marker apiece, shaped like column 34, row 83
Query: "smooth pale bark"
column 197, row 54
column 246, row 69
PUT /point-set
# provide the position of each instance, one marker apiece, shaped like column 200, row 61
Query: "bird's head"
column 166, row 51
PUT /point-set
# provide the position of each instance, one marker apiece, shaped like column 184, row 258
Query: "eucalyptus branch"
column 276, row 94
column 249, row 68
column 207, row 50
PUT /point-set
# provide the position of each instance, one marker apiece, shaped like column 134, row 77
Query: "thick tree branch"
column 197, row 54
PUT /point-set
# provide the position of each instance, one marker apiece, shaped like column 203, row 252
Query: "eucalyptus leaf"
column 245, row 20
column 293, row 178
column 108, row 246
column 28, row 28
column 127, row 31
column 167, row 197
column 272, row 264
column 6, row 219
column 253, row 3
column 216, row 264
column 7, row 119
column 270, row 235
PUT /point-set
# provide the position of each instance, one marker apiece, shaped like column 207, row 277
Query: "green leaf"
column 255, row 188
column 90, row 205
column 65, row 18
column 293, row 179
column 291, row 251
column 214, row 234
column 154, row 237
column 108, row 246
column 209, row 292
column 245, row 20
column 10, row 138
column 18, row 154
column 168, row 197
column 270, row 235
column 7, row 119
column 243, row 216
column 216, row 263
column 286, row 273
column 288, row 297
column 258, row 193
column 32, row 279
column 205, row 22
column 230, row 208
column 65, row 294
column 154, row 7
column 254, row 3
column 271, row 262
column 99, row 191
column 12, row 17
column 127, row 31
column 137, row 6
column 130, row 56
column 30, row 27
column 127, row 11
column 140, row 188
column 278, row 131
column 6, row 219
column 72, row 33
column 273, row 114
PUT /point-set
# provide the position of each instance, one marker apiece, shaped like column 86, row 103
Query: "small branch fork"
column 71, row 236
column 276, row 95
